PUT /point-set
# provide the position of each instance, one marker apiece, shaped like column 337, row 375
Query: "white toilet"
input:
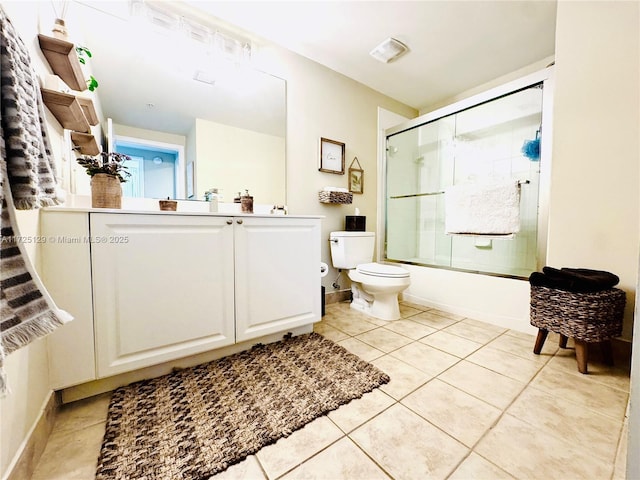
column 375, row 286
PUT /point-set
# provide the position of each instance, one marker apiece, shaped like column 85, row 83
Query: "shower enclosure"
column 496, row 140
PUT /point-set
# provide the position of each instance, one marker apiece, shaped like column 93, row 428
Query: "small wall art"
column 356, row 177
column 331, row 156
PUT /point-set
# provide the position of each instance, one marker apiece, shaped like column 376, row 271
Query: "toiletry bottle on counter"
column 247, row 202
column 213, row 197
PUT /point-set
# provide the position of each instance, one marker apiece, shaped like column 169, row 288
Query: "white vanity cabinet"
column 162, row 288
column 167, row 286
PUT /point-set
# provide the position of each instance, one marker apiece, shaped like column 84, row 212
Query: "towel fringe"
column 23, row 334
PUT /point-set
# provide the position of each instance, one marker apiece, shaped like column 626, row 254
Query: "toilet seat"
column 382, row 270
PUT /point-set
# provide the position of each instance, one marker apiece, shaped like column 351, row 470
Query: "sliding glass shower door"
column 496, row 141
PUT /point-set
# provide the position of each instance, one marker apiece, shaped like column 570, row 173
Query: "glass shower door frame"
column 544, row 77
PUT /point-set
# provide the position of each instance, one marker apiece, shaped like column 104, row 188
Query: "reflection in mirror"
column 175, row 96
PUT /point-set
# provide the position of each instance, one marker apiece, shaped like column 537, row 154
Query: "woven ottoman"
column 588, row 318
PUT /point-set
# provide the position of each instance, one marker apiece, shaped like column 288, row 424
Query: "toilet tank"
column 350, row 249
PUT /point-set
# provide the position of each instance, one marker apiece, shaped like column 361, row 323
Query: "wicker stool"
column 586, row 317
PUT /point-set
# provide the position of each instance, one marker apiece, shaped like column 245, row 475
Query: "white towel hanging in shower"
column 483, row 209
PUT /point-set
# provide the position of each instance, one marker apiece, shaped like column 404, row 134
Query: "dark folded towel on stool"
column 578, row 280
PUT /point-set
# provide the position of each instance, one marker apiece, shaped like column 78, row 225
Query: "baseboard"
column 34, row 444
column 337, row 297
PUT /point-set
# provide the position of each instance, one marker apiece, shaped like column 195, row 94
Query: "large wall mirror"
column 191, row 117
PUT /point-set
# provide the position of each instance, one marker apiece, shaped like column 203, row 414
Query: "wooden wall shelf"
column 89, row 110
column 63, row 59
column 66, row 109
column 86, row 143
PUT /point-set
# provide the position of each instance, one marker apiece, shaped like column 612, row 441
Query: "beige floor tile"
column 487, row 385
column 404, row 377
column 461, row 415
column 613, row 376
column 563, row 418
column 425, row 453
column 583, row 390
column 350, row 325
column 505, row 363
column 528, row 453
column 432, row 319
column 71, row 455
column 407, row 311
column 384, row 339
column 301, row 445
column 620, row 465
column 410, row 329
column 360, row 410
column 453, row 344
column 472, row 332
column 426, row 358
column 363, row 350
column 83, row 413
column 248, row 469
column 342, row 460
column 329, row 332
column 484, row 325
column 523, row 347
column 417, row 306
column 475, row 467
column 442, row 313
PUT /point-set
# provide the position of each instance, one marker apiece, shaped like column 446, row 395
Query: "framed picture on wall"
column 331, row 156
column 356, row 177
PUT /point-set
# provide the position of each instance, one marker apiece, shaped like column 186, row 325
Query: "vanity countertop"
column 185, row 207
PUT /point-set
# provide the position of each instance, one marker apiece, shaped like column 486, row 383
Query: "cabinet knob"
column 239, row 221
column 229, row 221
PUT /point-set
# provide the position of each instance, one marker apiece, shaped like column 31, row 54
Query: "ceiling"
column 454, row 45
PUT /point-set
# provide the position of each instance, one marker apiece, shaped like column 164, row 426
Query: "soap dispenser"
column 247, row 202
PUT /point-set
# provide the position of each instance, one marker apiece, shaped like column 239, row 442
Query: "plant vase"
column 106, row 191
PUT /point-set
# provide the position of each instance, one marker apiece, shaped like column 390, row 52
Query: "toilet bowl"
column 375, row 288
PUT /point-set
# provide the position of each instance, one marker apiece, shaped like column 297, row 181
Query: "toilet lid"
column 381, row 270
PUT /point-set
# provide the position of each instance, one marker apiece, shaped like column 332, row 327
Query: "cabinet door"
column 277, row 274
column 162, row 287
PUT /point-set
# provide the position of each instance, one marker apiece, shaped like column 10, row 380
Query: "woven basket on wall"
column 335, row 197
column 590, row 317
column 106, row 191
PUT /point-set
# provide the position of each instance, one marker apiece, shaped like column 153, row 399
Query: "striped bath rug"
column 196, row 422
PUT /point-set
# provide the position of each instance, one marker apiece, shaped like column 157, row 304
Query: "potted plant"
column 107, row 172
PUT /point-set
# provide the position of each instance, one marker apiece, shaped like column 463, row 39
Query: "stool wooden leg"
column 582, row 355
column 607, row 352
column 542, row 336
column 563, row 341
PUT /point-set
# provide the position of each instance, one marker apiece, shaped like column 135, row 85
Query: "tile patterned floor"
column 467, row 400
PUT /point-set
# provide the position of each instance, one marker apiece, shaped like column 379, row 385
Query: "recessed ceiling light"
column 389, row 50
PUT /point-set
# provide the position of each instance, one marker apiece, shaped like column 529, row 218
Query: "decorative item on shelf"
column 355, row 177
column 335, row 195
column 59, row 29
column 331, row 156
column 246, row 201
column 168, row 205
column 83, row 52
column 107, row 172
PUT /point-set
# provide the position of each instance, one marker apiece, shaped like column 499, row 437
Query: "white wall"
column 235, row 159
column 594, row 203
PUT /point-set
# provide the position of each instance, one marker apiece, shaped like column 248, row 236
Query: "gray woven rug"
column 196, row 422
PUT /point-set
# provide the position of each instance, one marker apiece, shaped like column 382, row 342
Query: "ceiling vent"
column 389, row 50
